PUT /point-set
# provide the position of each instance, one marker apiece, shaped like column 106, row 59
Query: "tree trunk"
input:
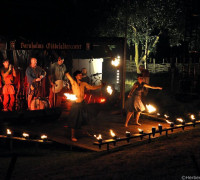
column 137, row 57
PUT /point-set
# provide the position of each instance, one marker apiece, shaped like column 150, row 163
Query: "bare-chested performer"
column 78, row 110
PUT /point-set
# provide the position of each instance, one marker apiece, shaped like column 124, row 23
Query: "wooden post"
column 11, row 167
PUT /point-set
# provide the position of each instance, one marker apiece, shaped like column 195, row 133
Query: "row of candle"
column 160, row 128
column 25, row 135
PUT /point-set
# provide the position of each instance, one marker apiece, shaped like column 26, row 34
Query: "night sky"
column 50, row 19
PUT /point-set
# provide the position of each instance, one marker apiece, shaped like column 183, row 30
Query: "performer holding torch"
column 134, row 102
column 78, row 113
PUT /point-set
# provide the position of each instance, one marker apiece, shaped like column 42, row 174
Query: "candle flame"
column 71, row 97
column 166, row 116
column 192, row 116
column 127, row 132
column 25, row 135
column 43, row 136
column 9, row 131
column 140, row 130
column 158, row 114
column 150, row 108
column 98, row 137
column 179, row 119
column 102, row 100
column 169, row 122
column 109, row 90
column 159, row 125
column 112, row 133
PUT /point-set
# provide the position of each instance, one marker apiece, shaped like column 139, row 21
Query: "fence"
column 152, row 67
column 189, row 68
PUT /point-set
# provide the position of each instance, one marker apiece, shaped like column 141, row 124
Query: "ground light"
column 142, row 134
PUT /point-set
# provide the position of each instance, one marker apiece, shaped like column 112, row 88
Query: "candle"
column 140, row 131
column 25, row 135
column 159, row 127
column 99, row 138
column 44, row 137
column 128, row 134
column 153, row 131
column 9, row 132
column 181, row 120
column 113, row 134
column 171, row 124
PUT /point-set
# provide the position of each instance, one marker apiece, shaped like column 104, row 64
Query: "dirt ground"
column 173, row 157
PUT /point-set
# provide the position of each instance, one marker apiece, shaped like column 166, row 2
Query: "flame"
column 112, row 133
column 102, row 100
column 71, row 97
column 98, row 137
column 168, row 122
column 192, row 116
column 109, row 90
column 116, row 61
column 159, row 125
column 179, row 119
column 150, row 108
column 25, row 135
column 140, row 130
column 9, row 131
column 158, row 114
column 166, row 116
column 127, row 132
column 43, row 136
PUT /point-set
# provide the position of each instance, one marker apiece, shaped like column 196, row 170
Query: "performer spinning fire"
column 134, row 102
column 78, row 109
column 8, row 73
column 34, row 75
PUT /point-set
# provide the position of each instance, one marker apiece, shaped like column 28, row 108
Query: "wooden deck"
column 105, row 120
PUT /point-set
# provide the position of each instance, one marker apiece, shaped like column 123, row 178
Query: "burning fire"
column 71, row 97
column 140, row 130
column 25, row 135
column 169, row 122
column 109, row 90
column 192, row 116
column 158, row 114
column 102, row 100
column 43, row 137
column 166, row 116
column 150, row 108
column 116, row 61
column 179, row 119
column 112, row 133
column 9, row 132
column 98, row 137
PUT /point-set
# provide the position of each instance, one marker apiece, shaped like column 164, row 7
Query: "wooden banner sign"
column 15, row 45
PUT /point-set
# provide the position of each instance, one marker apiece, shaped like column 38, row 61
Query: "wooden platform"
column 105, row 120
